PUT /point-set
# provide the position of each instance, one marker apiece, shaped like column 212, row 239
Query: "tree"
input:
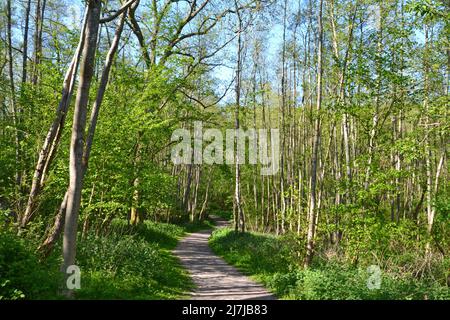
column 25, row 42
column 312, row 211
column 53, row 235
column 79, row 123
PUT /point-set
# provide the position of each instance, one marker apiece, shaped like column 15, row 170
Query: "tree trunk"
column 239, row 214
column 15, row 115
column 76, row 144
column 25, row 42
column 316, row 142
column 283, row 124
column 39, row 16
column 373, row 131
column 201, row 215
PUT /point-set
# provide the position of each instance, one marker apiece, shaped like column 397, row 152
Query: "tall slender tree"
column 312, row 211
column 77, row 139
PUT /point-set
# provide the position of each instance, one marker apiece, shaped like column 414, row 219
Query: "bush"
column 21, row 273
column 284, row 284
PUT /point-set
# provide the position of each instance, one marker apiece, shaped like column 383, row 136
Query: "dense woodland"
column 91, row 92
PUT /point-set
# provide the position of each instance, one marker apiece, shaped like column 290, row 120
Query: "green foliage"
column 165, row 235
column 119, row 255
column 270, row 261
column 228, row 215
column 22, row 275
column 127, row 262
column 394, row 95
column 340, row 282
column 371, row 237
column 242, row 248
column 132, row 263
column 428, row 9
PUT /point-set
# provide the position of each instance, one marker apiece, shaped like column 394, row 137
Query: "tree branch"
column 117, row 13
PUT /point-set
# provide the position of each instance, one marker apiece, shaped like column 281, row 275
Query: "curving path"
column 214, row 278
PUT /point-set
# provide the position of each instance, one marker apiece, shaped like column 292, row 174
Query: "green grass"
column 125, row 263
column 271, row 261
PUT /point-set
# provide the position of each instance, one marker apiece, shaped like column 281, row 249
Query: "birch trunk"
column 77, row 139
column 316, row 142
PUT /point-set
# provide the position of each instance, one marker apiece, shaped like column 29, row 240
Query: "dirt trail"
column 214, row 278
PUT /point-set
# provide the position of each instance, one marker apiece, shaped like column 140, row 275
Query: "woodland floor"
column 214, row 278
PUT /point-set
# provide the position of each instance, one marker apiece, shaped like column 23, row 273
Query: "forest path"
column 214, row 278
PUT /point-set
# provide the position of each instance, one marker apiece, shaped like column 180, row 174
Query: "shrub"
column 21, row 273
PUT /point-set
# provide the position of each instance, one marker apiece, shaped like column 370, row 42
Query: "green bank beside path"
column 273, row 261
column 125, row 263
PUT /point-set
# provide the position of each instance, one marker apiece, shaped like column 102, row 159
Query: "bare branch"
column 117, row 13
